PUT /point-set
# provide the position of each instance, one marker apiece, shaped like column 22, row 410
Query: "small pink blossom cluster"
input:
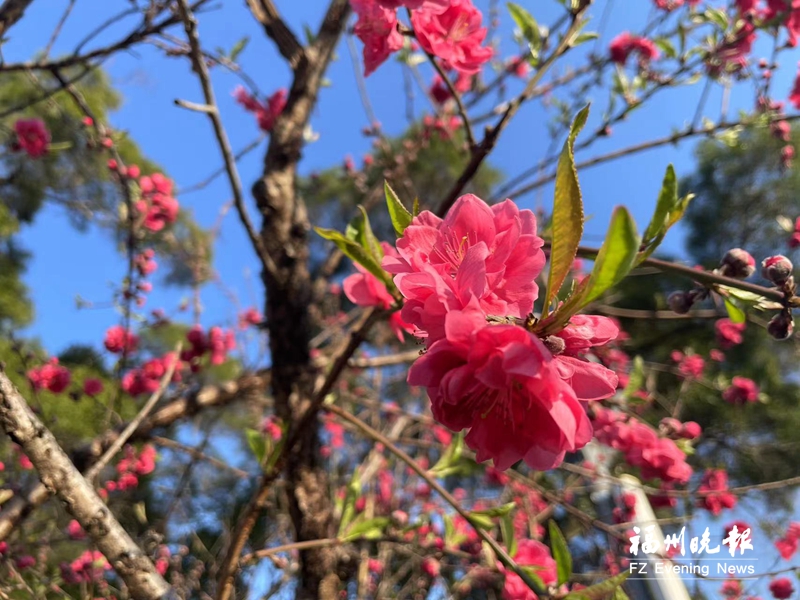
column 741, row 391
column 145, row 263
column 251, row 317
column 364, row 289
column 146, row 379
column 729, row 334
column 673, row 4
column 496, row 379
column 119, row 340
column 130, row 468
column 676, row 430
column 626, row 511
column 530, row 553
column 32, row 137
column 51, row 376
column 266, row 113
column 625, row 44
column 157, row 204
column 714, row 492
column 657, row 457
column 442, row 126
column 781, row 588
column 217, row 343
column 89, row 567
column 788, row 544
column 451, row 31
column 690, row 366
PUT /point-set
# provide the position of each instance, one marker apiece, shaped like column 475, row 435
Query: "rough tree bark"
column 59, row 475
column 284, row 233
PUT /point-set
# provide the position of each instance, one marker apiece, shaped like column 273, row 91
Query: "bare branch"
column 80, row 499
column 11, row 11
column 266, row 13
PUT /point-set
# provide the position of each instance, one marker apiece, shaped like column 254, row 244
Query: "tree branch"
column 267, row 14
column 80, row 499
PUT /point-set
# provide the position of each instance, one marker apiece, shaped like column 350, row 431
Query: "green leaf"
column 509, row 537
column 619, row 594
column 450, row 457
column 560, row 553
column 257, row 443
column 532, row 572
column 415, row 208
column 616, row 256
column 567, row 220
column 399, row 214
column 599, row 591
column 584, row 37
column 667, row 202
column 497, row 511
column 735, row 313
column 238, row 47
column 349, row 506
column 526, row 23
column 635, row 378
column 368, row 529
column 356, row 253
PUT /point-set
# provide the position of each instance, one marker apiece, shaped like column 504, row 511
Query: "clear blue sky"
column 67, row 263
column 182, row 142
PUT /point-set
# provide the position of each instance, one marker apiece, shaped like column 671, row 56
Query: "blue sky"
column 68, row 263
column 182, row 142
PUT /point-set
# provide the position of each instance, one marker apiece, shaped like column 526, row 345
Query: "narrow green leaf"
column 667, row 202
column 509, row 537
column 735, row 313
column 567, row 221
column 368, row 240
column 616, row 256
column 599, row 591
column 481, row 521
column 415, row 207
column 238, row 47
column 257, row 443
column 368, row 529
column 561, row 553
column 526, row 23
column 349, row 506
column 497, row 511
column 355, row 252
column 635, row 378
column 399, row 214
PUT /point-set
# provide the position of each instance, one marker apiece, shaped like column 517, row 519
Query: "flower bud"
column 738, row 263
column 680, row 302
column 778, row 269
column 691, row 430
column 781, row 325
column 555, row 344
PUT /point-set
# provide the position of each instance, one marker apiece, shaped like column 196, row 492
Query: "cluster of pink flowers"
column 781, row 588
column 689, row 365
column 741, row 391
column 266, row 113
column 442, row 126
column 673, row 4
column 451, row 31
column 51, row 376
column 130, row 468
column 251, row 317
column 494, row 379
column 529, row 554
column 714, row 489
column 657, row 457
column 157, row 205
column 625, row 44
column 146, row 379
column 92, row 386
column 89, row 567
column 119, row 340
column 217, row 343
column 145, row 262
column 364, row 289
column 788, row 544
column 32, row 137
column 729, row 334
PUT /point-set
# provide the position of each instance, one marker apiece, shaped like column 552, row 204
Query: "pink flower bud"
column 781, row 326
column 778, row 269
column 738, row 263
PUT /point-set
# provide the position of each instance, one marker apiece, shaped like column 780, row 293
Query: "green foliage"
column 561, row 553
column 398, row 213
column 567, row 220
